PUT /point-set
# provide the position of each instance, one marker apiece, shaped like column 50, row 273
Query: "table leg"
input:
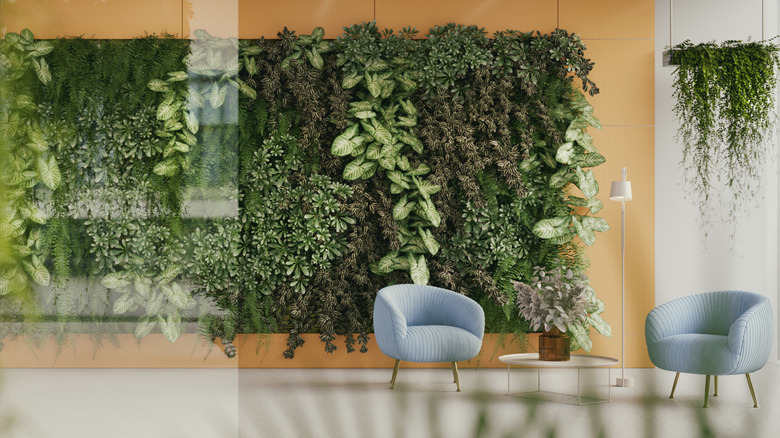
column 507, row 379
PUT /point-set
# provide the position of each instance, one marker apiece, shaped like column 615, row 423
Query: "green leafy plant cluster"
column 562, row 299
column 27, row 161
column 725, row 103
column 379, row 138
column 370, row 160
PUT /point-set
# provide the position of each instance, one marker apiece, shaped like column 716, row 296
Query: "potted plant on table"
column 565, row 306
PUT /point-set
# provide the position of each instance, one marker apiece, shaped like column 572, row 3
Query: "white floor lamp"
column 621, row 191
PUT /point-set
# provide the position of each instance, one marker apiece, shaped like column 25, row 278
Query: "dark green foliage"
column 726, row 109
column 371, row 160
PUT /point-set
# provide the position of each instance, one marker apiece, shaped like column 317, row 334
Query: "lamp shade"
column 620, row 191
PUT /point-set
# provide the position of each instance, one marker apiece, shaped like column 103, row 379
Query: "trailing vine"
column 726, row 109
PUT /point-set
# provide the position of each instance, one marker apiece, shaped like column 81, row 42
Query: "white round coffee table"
column 578, row 361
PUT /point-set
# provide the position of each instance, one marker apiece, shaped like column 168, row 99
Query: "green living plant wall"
column 457, row 160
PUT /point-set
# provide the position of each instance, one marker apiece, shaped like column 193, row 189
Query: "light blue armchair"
column 714, row 333
column 417, row 323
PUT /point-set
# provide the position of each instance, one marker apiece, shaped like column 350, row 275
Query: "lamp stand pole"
column 622, row 381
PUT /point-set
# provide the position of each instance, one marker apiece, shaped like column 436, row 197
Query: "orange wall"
column 620, row 40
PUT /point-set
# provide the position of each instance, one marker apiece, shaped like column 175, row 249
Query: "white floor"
column 358, row 403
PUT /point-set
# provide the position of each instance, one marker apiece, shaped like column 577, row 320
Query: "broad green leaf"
column 592, row 121
column 192, row 122
column 27, row 35
column 218, row 96
column 41, row 48
column 601, row 326
column 387, row 163
column 144, row 327
column 246, row 90
column 378, row 131
column 38, row 216
column 427, row 188
column 573, row 134
column 158, row 85
column 169, row 328
column 408, row 107
column 343, row 144
column 250, row 65
column 155, row 303
column 314, row 57
column 590, row 159
column 176, row 295
column 385, row 264
column 562, row 177
column 169, row 273
column 418, row 269
column 402, row 162
column 407, row 121
column 565, row 153
column 142, row 286
column 374, row 151
column 37, row 142
column 398, row 178
column 351, row 80
column 586, row 235
column 394, row 189
column 373, row 84
column 167, row 167
column 595, row 223
column 38, row 273
column 177, row 76
column 49, row 172
column 318, row 33
column 115, row 280
column 165, row 111
column 364, row 114
column 552, row 227
column 369, row 169
column 429, row 241
column 560, row 240
column 42, row 70
column 580, row 335
column 587, row 183
column 387, row 88
column 430, row 212
column 360, row 106
column 412, row 141
column 354, row 170
column 123, row 304
column 403, row 208
column 407, row 84
column 420, row 170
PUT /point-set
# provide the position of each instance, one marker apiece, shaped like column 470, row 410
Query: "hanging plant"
column 726, row 109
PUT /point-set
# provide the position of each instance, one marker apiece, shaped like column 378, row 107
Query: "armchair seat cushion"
column 438, row 343
column 703, row 354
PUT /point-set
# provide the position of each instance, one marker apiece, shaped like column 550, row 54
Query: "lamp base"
column 624, row 382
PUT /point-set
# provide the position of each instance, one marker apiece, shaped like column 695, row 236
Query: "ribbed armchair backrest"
column 713, row 313
column 430, row 305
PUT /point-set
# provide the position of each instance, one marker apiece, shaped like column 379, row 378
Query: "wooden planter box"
column 255, row 351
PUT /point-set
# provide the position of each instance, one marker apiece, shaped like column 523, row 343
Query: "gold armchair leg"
column 677, row 376
column 716, row 387
column 706, row 390
column 455, row 374
column 752, row 392
column 395, row 373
